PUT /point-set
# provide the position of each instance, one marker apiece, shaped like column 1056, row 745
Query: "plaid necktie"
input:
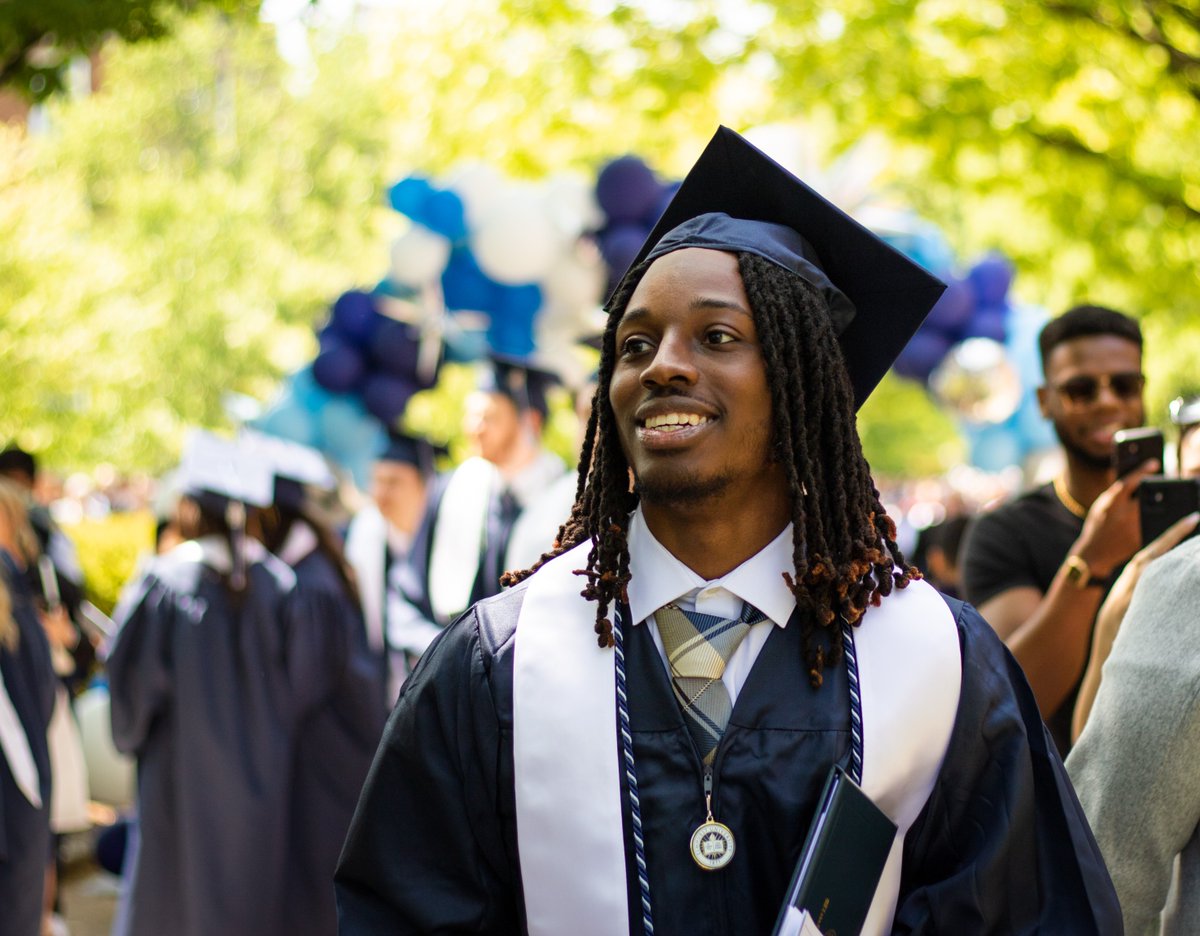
column 698, row 646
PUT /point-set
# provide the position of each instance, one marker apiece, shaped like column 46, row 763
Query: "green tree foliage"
column 39, row 37
column 177, row 234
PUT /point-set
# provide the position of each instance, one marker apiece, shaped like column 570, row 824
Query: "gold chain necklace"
column 1065, row 498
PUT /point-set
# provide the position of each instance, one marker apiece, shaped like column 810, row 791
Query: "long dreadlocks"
column 843, row 543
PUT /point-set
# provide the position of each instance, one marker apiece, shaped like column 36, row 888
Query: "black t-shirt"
column 1022, row 544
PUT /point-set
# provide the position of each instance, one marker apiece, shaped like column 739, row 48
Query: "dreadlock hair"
column 844, row 548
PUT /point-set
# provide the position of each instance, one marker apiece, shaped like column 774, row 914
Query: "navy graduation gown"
column 25, row 830
column 334, row 747
column 1001, row 846
column 208, row 696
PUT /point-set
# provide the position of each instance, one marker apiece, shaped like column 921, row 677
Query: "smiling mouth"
column 673, row 422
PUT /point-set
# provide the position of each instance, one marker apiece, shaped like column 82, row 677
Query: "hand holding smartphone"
column 1134, row 447
column 1163, row 502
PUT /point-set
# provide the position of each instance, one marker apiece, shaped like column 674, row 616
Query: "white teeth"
column 675, row 419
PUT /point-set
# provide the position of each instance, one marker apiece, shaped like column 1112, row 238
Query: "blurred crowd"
column 252, row 660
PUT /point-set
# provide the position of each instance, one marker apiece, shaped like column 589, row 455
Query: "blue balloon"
column 627, row 190
column 339, row 367
column 991, row 277
column 517, row 302
column 306, row 391
column 408, row 196
column 346, row 428
column 511, row 330
column 443, row 213
column 388, row 287
column 386, row 396
column 465, row 345
column 994, row 448
column 355, row 317
column 465, row 286
column 289, row 419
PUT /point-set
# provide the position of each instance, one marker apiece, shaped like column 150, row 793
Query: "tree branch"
column 1157, row 189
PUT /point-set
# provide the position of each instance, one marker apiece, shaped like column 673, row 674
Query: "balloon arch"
column 489, row 265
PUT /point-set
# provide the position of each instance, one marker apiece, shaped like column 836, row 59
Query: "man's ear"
column 1043, row 398
column 533, row 421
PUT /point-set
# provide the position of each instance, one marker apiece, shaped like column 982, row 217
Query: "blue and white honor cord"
column 635, row 804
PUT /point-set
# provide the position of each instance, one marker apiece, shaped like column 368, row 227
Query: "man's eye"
column 716, row 336
column 635, row 346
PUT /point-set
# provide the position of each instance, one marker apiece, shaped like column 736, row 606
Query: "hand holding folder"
column 840, row 864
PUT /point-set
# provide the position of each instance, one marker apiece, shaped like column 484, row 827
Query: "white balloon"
column 517, row 242
column 978, row 381
column 419, row 256
column 110, row 773
column 478, row 185
column 571, row 202
column 577, row 279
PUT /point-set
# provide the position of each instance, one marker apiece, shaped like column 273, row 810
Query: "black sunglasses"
column 1085, row 390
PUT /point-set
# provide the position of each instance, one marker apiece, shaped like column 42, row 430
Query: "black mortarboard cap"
column 878, row 297
column 522, row 382
column 410, row 450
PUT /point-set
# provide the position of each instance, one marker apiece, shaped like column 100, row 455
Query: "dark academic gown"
column 1001, row 846
column 24, row 830
column 208, row 697
column 334, row 747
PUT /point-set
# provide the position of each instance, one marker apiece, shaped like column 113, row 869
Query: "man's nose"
column 674, row 362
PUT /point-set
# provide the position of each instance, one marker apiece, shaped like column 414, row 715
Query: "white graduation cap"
column 235, row 472
column 291, row 460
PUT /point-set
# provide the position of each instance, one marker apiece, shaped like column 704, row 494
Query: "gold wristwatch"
column 1079, row 573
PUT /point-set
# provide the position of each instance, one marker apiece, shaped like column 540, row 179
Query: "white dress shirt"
column 659, row 578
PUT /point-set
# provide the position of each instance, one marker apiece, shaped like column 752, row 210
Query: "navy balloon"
column 921, row 355
column 664, row 200
column 386, row 396
column 443, row 213
column 952, row 311
column 627, row 190
column 409, row 196
column 988, row 322
column 991, row 278
column 339, row 367
column 354, row 317
column 465, row 286
column 619, row 245
column 394, row 349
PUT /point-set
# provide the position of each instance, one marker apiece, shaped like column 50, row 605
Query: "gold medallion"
column 712, row 845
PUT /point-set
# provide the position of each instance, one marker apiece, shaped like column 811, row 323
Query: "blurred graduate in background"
column 337, row 739
column 215, row 672
column 484, row 496
column 387, row 544
column 27, row 690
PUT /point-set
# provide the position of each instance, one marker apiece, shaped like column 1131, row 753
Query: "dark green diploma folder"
column 842, row 859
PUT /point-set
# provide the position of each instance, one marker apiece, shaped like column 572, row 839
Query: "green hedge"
column 109, row 550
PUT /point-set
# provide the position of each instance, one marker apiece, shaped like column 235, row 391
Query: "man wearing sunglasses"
column 1038, row 567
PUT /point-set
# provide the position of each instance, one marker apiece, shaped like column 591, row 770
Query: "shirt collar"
column 658, row 577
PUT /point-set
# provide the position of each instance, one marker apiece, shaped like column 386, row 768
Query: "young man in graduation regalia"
column 561, row 762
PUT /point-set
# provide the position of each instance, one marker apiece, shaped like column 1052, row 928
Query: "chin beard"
column 681, row 490
column 1081, row 455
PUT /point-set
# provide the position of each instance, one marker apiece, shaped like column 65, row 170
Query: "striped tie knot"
column 698, row 647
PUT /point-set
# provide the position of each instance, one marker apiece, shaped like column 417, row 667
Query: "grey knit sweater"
column 1137, row 764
